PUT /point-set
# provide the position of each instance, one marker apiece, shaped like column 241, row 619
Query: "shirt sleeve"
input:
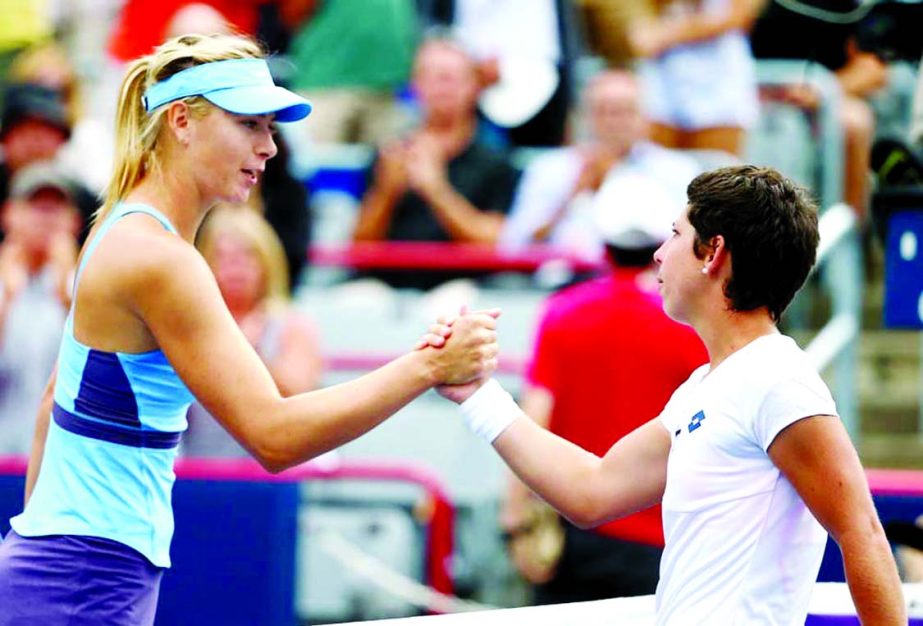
column 791, row 399
column 543, row 187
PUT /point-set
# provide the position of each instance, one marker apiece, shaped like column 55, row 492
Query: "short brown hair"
column 769, row 225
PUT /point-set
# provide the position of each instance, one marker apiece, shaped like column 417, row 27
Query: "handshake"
column 463, row 351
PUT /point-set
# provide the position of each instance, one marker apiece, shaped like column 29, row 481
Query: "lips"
column 253, row 175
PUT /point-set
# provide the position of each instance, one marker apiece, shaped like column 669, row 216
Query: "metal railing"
column 836, row 345
column 787, row 73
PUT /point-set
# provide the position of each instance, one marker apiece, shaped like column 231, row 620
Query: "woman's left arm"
column 818, row 458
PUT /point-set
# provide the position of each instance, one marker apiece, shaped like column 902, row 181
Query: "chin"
column 239, row 196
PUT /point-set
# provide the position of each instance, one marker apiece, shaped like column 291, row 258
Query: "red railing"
column 444, row 256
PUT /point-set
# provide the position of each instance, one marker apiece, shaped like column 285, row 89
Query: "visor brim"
column 261, row 100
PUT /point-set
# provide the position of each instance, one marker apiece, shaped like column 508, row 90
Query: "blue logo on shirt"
column 696, row 420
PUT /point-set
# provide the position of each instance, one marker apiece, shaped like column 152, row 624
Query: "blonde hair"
column 136, row 131
column 245, row 224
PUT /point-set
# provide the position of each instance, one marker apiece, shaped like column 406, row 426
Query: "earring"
column 705, row 270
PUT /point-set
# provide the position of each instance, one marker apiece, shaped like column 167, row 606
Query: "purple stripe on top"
column 63, row 580
column 105, row 391
column 133, row 437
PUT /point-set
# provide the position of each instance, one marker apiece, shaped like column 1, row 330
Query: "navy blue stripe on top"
column 105, row 391
column 103, row 431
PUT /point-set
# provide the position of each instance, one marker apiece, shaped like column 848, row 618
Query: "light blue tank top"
column 117, row 419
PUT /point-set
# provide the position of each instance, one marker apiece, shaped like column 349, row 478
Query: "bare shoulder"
column 144, row 260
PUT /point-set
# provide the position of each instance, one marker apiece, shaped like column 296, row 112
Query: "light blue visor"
column 242, row 86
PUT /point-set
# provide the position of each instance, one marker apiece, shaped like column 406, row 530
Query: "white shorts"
column 705, row 85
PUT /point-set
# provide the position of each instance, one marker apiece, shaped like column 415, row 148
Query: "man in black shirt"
column 439, row 183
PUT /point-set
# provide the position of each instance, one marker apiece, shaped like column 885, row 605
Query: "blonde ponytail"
column 136, row 130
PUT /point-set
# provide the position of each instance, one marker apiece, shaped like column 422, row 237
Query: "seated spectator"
column 554, row 198
column 143, row 25
column 87, row 155
column 37, row 256
column 34, row 127
column 782, row 33
column 700, row 81
column 249, row 264
column 524, row 50
column 351, row 58
column 439, row 183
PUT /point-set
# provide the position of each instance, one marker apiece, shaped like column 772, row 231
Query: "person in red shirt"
column 606, row 360
column 141, row 26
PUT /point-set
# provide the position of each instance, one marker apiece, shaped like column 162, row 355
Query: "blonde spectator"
column 249, row 264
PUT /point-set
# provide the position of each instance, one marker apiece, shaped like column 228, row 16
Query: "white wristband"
column 489, row 411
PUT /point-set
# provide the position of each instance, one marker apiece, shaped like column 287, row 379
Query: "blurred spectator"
column 142, row 25
column 34, row 127
column 439, row 183
column 524, row 50
column 24, row 23
column 781, row 33
column 699, row 74
column 197, row 18
column 554, row 197
column 605, row 361
column 351, row 59
column 88, row 153
column 283, row 201
column 249, row 266
column 608, row 25
column 41, row 221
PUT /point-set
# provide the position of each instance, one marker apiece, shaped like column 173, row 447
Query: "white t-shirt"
column 741, row 545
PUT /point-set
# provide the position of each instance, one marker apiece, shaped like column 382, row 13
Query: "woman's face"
column 679, row 271
column 230, row 152
column 238, row 270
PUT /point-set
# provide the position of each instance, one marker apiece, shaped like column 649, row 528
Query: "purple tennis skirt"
column 75, row 581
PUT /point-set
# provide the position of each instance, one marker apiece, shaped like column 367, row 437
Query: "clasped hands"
column 465, row 349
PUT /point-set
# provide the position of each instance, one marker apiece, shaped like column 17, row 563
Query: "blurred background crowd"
column 527, row 153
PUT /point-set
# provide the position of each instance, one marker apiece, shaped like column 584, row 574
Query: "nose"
column 267, row 147
column 658, row 254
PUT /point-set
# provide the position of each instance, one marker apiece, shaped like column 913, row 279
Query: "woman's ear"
column 718, row 255
column 178, row 120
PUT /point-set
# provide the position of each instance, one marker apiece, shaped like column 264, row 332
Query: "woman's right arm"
column 41, row 433
column 174, row 292
column 586, row 489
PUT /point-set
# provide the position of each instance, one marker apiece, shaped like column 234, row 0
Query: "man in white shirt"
column 748, row 458
column 555, row 198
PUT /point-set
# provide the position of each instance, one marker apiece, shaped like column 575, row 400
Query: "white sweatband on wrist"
column 489, row 411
